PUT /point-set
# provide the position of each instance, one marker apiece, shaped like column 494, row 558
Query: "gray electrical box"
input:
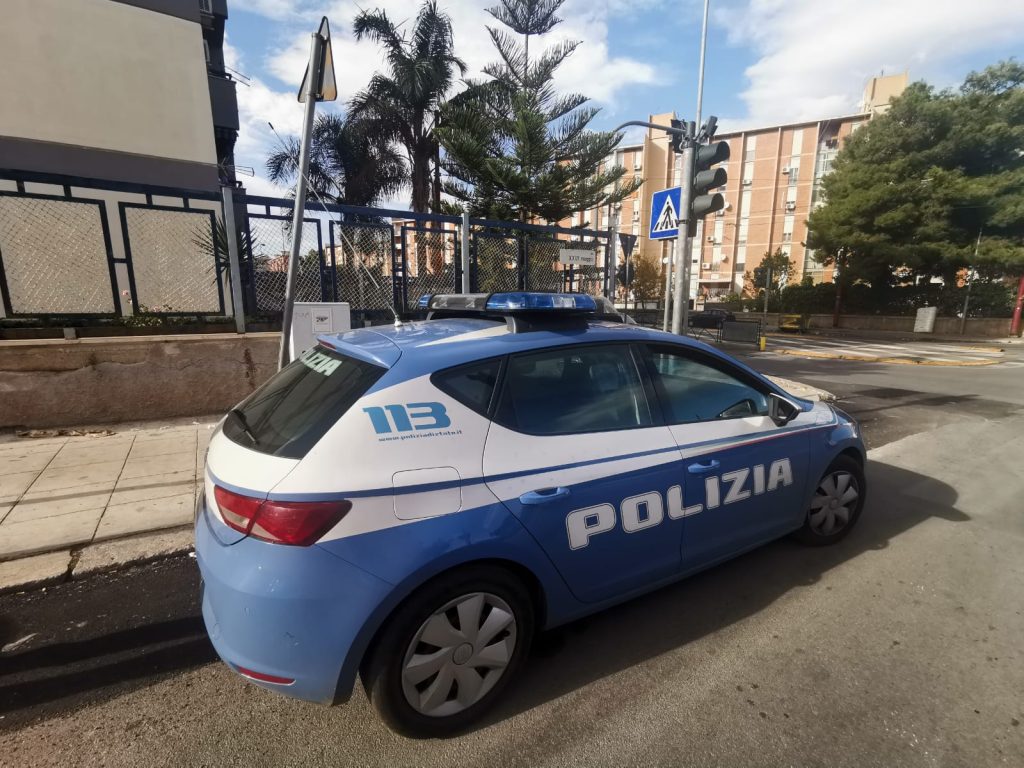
column 312, row 318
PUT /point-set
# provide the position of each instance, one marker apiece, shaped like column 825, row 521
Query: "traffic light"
column 706, row 178
column 625, row 272
column 676, row 139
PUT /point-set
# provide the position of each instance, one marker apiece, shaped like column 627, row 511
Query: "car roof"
column 451, row 341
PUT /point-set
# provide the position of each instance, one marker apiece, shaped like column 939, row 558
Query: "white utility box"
column 924, row 322
column 312, row 318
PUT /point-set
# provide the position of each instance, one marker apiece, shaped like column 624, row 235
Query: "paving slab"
column 159, row 465
column 135, row 489
column 39, row 504
column 35, row 461
column 93, row 452
column 109, row 555
column 148, row 515
column 31, row 572
column 47, row 534
column 56, row 478
column 14, row 485
column 146, row 448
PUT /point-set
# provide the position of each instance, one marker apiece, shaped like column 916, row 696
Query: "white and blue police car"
column 411, row 504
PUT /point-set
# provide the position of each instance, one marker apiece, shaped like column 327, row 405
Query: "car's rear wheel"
column 447, row 653
column 836, row 504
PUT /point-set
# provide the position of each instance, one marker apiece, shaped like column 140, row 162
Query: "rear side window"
column 573, row 390
column 294, row 409
column 472, row 385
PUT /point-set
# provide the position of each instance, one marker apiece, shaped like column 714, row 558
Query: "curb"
column 43, row 570
column 891, row 360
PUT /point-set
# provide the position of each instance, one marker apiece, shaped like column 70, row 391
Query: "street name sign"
column 578, row 256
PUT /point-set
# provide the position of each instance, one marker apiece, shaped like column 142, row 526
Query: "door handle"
column 543, row 495
column 701, row 468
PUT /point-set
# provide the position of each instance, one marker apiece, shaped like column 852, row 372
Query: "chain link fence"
column 269, row 241
column 113, row 253
column 363, row 259
column 176, row 261
column 429, row 263
column 55, row 256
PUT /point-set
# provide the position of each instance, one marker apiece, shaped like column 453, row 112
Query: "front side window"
column 692, row 389
column 291, row 412
column 573, row 390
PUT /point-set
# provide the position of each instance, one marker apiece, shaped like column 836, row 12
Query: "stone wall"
column 53, row 382
column 977, row 327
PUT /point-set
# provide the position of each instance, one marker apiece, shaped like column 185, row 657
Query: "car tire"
column 425, row 632
column 829, row 518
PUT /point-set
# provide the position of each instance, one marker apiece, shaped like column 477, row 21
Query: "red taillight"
column 263, row 677
column 298, row 523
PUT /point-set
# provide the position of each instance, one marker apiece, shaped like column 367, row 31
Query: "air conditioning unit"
column 747, row 182
column 711, row 238
column 720, row 213
column 790, row 206
column 706, row 265
column 786, row 170
column 637, row 166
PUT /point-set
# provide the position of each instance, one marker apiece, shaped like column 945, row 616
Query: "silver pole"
column 465, row 253
column 234, row 268
column 312, row 85
column 681, row 311
column 767, row 287
column 612, row 261
column 700, row 72
column 668, row 284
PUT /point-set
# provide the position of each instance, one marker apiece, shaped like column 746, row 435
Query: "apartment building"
column 131, row 91
column 774, row 182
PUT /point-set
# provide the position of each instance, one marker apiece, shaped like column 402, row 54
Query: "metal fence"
column 89, row 250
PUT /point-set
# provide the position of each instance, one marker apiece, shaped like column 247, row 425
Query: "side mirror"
column 781, row 410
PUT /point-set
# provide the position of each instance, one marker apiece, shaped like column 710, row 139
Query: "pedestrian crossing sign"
column 665, row 214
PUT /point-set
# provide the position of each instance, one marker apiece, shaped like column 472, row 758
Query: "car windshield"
column 291, row 412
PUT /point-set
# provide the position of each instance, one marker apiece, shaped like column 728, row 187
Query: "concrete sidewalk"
column 74, row 505
column 61, row 493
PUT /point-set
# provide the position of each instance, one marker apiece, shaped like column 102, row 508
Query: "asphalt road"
column 903, row 645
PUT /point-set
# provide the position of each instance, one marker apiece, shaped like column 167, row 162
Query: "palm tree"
column 402, row 103
column 349, row 162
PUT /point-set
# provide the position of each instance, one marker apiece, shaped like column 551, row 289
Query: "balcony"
column 223, row 101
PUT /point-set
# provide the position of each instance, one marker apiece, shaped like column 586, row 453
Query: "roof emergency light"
column 518, row 301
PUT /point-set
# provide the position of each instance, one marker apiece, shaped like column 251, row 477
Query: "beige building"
column 129, row 91
column 774, row 181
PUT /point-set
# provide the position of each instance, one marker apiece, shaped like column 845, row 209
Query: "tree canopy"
column 515, row 147
column 910, row 191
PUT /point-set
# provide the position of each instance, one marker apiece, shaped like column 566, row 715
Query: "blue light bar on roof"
column 525, row 300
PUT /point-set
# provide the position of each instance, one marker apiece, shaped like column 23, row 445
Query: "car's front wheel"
column 447, row 653
column 836, row 504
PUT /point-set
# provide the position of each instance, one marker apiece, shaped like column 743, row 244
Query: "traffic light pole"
column 681, row 309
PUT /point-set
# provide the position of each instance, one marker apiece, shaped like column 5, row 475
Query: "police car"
column 412, row 504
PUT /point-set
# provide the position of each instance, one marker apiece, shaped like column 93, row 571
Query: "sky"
column 768, row 61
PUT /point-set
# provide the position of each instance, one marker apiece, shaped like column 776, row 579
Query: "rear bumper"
column 290, row 612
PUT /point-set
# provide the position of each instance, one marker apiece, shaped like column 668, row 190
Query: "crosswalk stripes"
column 921, row 352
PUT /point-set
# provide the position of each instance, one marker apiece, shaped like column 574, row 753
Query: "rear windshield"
column 294, row 409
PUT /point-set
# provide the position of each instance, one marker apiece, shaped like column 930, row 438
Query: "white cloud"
column 591, row 70
column 814, row 57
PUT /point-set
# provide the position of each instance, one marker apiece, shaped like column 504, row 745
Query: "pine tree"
column 515, row 148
